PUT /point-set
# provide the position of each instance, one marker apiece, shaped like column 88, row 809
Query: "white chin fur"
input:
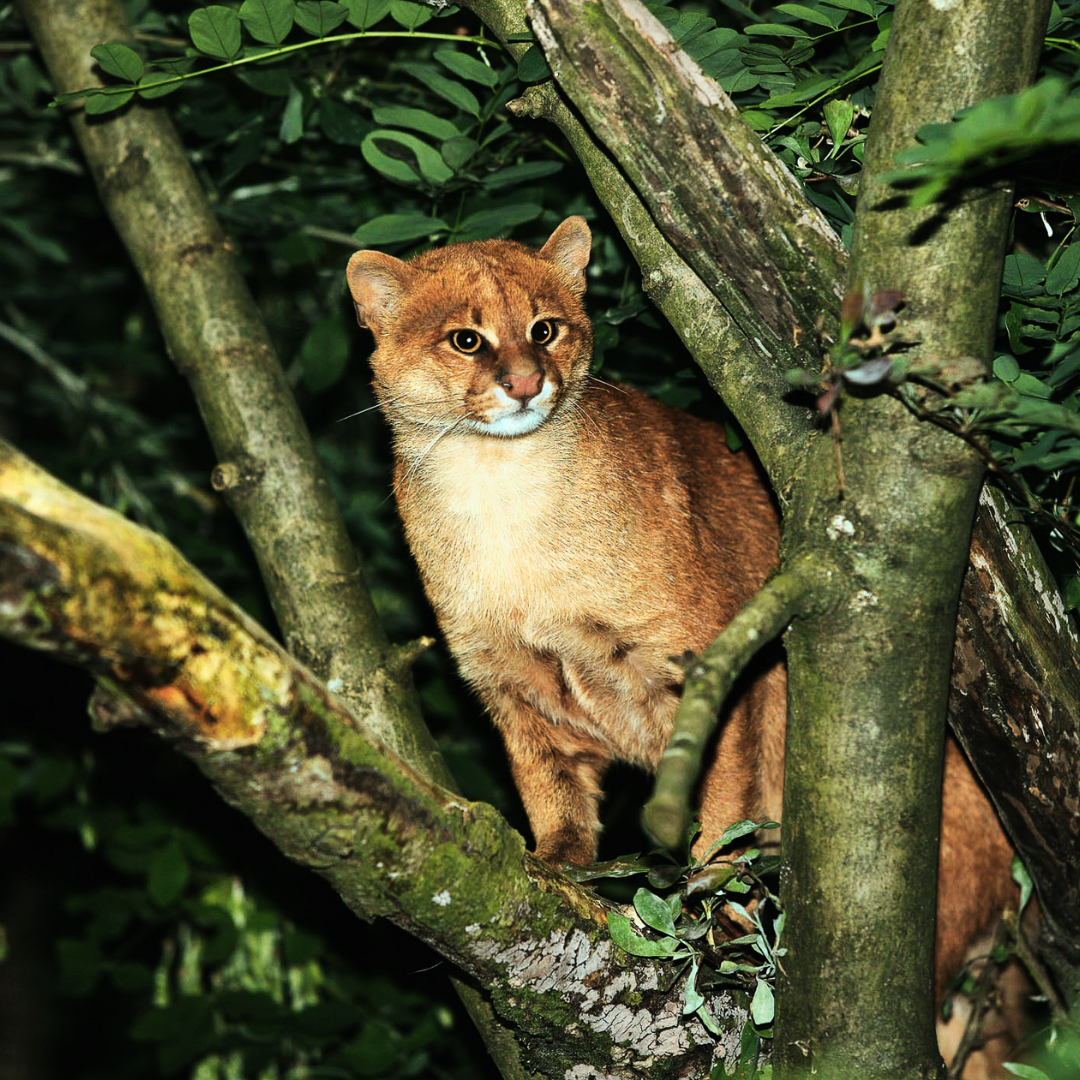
column 511, row 419
column 515, row 423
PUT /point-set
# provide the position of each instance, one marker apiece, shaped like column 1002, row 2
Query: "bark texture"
column 1015, row 669
column 267, row 466
column 869, row 680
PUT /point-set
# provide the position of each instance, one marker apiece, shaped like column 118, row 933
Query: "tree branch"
column 94, row 589
column 1016, row 680
column 267, row 466
column 709, row 680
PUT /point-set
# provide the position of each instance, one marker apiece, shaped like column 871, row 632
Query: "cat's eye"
column 466, row 341
column 543, row 332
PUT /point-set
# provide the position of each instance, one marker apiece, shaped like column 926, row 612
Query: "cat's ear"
column 377, row 283
column 569, row 247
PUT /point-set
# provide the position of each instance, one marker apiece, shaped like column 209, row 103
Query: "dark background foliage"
column 146, row 928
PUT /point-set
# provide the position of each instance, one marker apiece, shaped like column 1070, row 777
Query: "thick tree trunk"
column 1016, row 666
column 869, row 679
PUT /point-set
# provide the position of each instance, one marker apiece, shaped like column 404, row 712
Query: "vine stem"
column 285, row 50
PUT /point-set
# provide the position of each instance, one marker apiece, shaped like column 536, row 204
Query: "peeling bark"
column 1016, row 678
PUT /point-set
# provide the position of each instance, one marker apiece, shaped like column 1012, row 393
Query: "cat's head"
column 488, row 337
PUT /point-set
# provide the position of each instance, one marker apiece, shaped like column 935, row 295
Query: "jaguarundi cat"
column 575, row 537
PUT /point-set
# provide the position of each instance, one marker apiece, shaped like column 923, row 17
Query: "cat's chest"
column 490, row 521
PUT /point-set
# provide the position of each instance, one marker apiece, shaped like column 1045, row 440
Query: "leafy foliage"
column 212, row 975
column 701, row 926
column 989, row 137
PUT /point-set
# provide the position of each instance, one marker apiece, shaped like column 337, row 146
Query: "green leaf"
column 776, row 30
column 343, row 124
column 623, row 934
column 654, row 912
column 453, row 92
column 106, row 102
column 1022, row 878
column 272, row 81
column 467, row 67
column 533, row 66
column 215, row 30
column 1030, row 386
column 119, row 60
column 1072, row 594
column 1026, row 1072
column 366, row 13
column 409, row 14
column 813, row 15
column 268, row 21
column 1006, row 368
column 168, row 874
column 739, row 81
column 692, row 999
column 838, row 117
column 324, row 353
column 292, row 119
column 521, row 174
column 394, row 153
column 1064, row 275
column 735, row 832
column 458, row 152
column 320, row 17
column 763, row 1007
column 487, row 223
column 416, row 119
column 1023, row 275
column 864, row 7
column 157, row 84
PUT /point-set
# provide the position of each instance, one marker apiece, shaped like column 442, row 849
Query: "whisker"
column 604, row 382
column 414, row 467
column 399, row 404
column 576, row 408
column 370, row 408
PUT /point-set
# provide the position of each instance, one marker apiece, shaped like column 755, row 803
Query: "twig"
column 980, row 1002
column 708, row 682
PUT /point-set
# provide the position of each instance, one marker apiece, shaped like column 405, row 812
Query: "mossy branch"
column 694, row 160
column 174, row 654
column 710, row 678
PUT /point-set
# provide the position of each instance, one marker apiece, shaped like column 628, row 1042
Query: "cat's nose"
column 522, row 387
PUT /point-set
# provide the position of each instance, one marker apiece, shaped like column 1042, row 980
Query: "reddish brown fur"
column 570, row 563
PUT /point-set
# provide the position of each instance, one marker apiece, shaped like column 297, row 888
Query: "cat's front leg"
column 558, row 770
